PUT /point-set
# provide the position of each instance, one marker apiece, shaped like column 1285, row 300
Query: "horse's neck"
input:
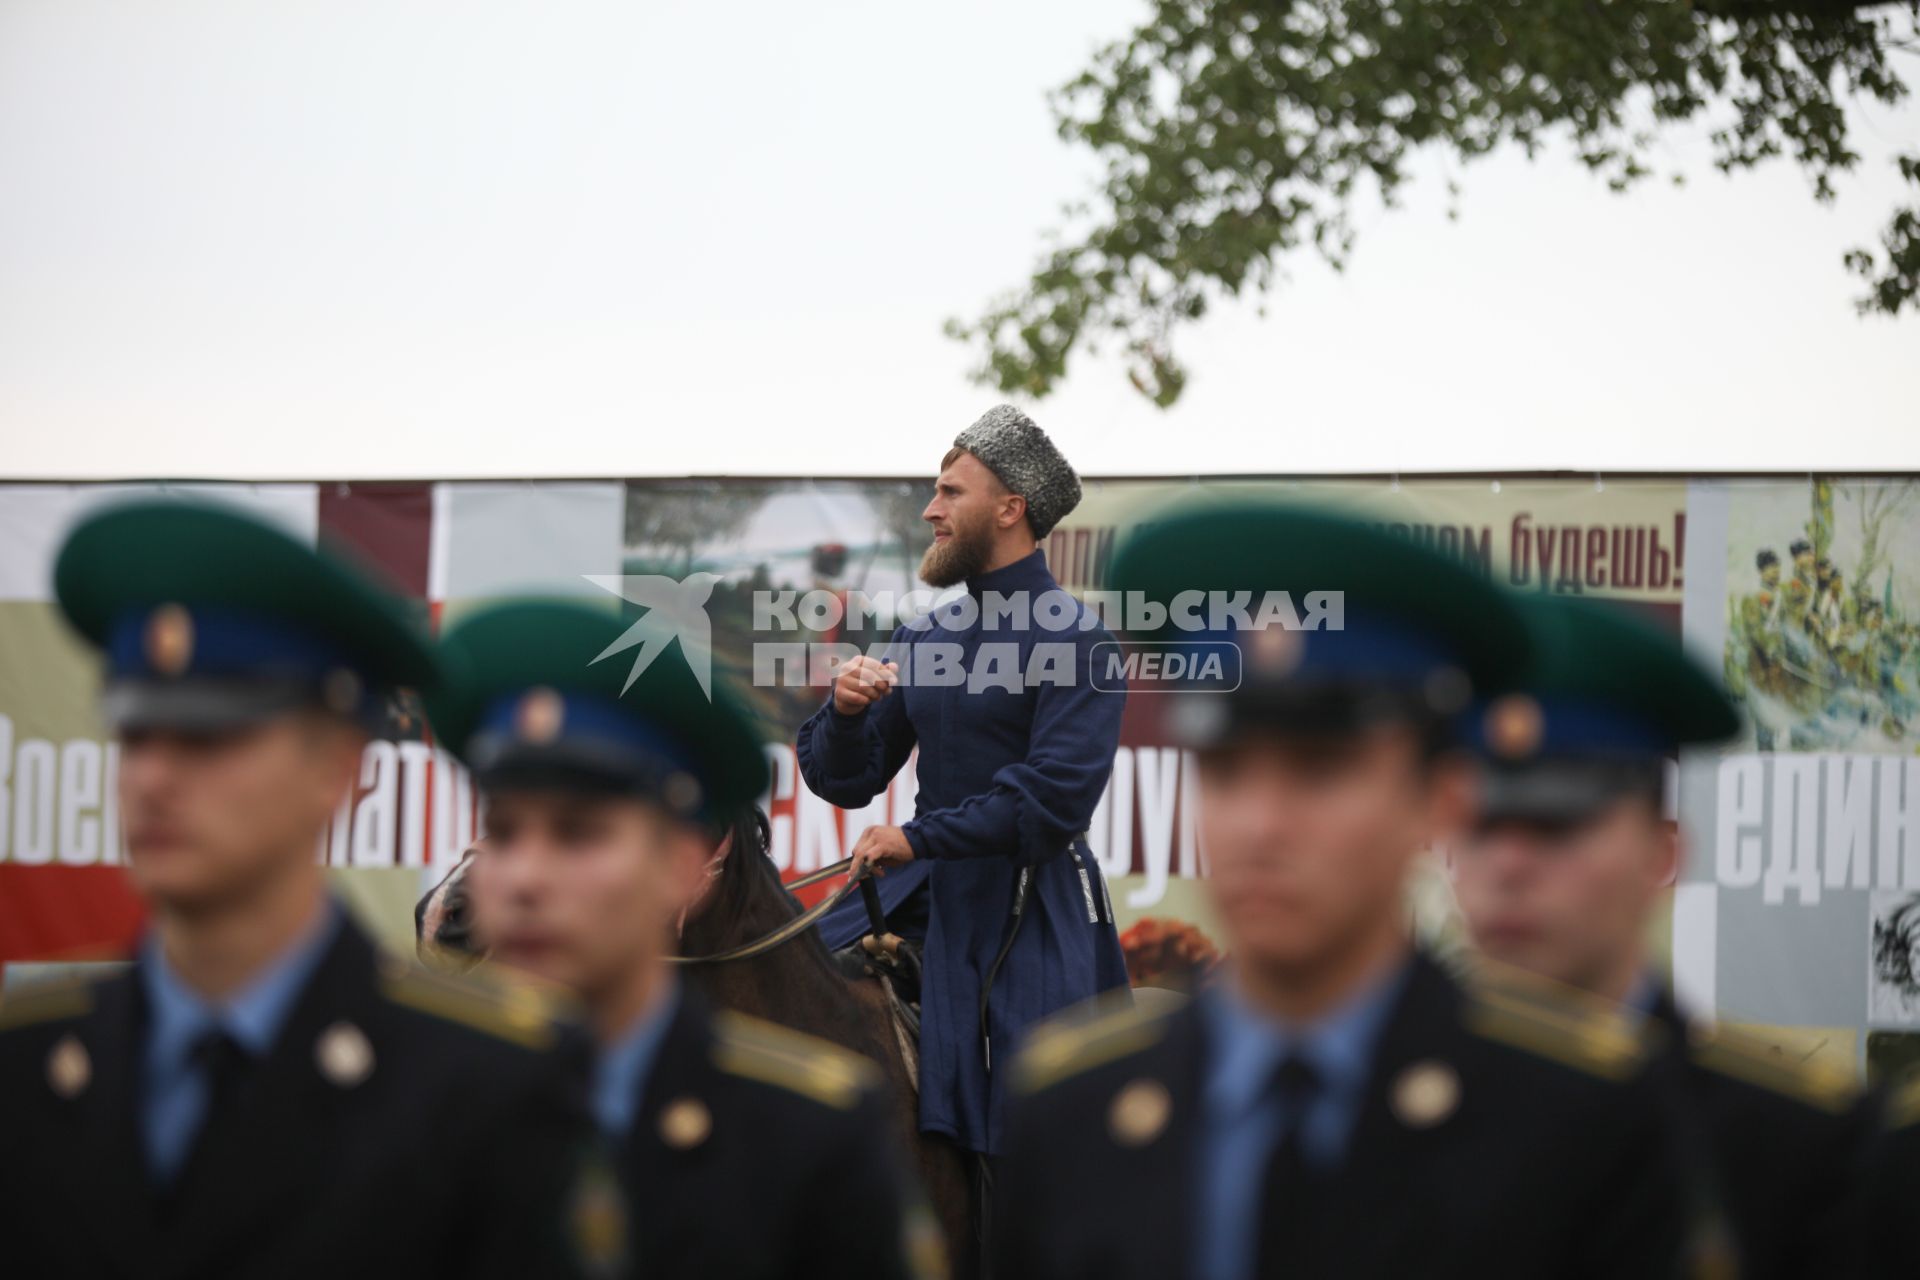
column 795, row 985
column 745, row 904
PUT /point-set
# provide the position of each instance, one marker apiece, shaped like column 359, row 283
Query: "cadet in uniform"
column 747, row 1150
column 1572, row 854
column 1894, row 1185
column 262, row 1093
column 1333, row 1104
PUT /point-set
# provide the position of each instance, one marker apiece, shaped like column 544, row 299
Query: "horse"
column 850, row 1001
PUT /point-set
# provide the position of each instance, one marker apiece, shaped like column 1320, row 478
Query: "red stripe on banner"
column 386, row 526
column 1664, row 614
column 67, row 913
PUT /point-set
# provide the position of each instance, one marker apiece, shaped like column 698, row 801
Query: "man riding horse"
column 994, row 874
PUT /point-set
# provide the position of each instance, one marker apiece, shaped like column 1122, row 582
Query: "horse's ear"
column 751, row 833
column 443, row 923
column 432, row 904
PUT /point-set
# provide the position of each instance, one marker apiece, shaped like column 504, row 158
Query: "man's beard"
column 962, row 556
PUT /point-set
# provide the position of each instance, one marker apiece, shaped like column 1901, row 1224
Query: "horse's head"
column 710, row 879
column 443, row 922
column 740, row 892
column 739, row 873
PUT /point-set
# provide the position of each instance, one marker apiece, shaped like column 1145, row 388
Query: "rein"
column 791, row 929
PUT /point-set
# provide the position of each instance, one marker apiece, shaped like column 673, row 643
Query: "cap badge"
column 539, row 716
column 1514, row 725
column 169, row 639
column 1275, row 651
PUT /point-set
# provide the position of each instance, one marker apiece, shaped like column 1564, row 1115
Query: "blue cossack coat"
column 1015, row 754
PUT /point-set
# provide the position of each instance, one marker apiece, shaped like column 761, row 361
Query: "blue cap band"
column 227, row 663
column 221, row 642
column 1366, row 646
column 1568, row 727
column 608, row 732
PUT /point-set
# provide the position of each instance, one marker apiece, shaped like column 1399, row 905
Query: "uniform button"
column 685, row 1123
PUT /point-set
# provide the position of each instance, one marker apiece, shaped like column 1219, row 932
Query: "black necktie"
column 1290, row 1188
column 218, row 1054
column 225, row 1064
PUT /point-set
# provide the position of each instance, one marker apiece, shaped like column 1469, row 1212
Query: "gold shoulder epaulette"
column 511, row 1011
column 46, row 1002
column 1903, row 1104
column 1058, row 1052
column 1745, row 1056
column 790, row 1060
column 1549, row 1020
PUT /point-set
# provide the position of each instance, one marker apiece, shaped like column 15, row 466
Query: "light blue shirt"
column 620, row 1069
column 173, row 1102
column 1240, row 1120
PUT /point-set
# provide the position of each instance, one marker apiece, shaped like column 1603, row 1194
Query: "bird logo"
column 676, row 610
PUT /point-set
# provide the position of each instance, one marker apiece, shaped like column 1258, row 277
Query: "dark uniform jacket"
column 1785, row 1145
column 1500, row 1136
column 1894, row 1186
column 403, row 1124
column 760, row 1152
column 763, row 1152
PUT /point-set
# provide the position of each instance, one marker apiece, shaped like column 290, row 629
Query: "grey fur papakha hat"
column 1013, row 447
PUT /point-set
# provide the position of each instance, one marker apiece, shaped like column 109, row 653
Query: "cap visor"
column 503, row 762
column 1563, row 796
column 197, row 706
column 1202, row 720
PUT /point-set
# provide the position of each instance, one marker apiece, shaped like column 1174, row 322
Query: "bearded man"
column 997, row 689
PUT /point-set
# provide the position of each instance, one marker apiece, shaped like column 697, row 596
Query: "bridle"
column 786, row 932
column 793, row 928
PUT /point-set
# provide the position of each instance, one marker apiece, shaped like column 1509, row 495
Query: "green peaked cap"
column 1597, row 654
column 1393, row 590
column 544, row 690
column 210, row 617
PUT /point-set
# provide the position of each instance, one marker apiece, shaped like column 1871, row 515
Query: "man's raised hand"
column 861, row 682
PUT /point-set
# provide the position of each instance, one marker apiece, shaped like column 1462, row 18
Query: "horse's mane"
column 798, row 984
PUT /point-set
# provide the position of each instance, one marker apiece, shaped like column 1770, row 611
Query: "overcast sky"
column 495, row 239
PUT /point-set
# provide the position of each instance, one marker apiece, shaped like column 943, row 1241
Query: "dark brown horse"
column 797, row 984
column 800, row 985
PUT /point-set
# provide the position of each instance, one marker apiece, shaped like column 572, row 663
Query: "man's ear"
column 340, row 745
column 1673, row 853
column 1013, row 509
column 688, row 849
column 1453, row 792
